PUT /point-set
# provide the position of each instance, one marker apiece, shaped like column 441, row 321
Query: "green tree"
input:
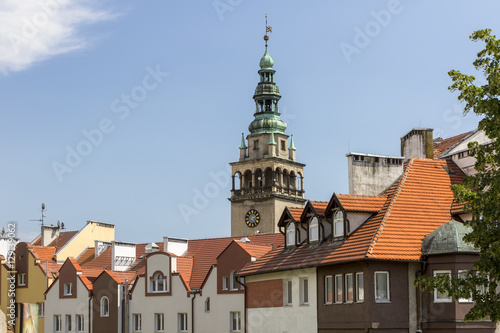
column 481, row 192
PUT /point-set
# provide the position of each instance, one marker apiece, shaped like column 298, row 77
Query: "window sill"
column 382, row 302
column 443, row 301
column 305, row 305
column 287, row 305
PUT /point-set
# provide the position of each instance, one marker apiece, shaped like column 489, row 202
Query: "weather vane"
column 268, row 29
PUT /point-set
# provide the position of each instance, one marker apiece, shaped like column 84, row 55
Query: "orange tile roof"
column 91, row 273
column 296, row 212
column 44, row 252
column 418, row 203
column 185, row 266
column 255, row 250
column 319, row 206
column 442, row 145
column 457, row 208
column 120, row 277
column 362, row 203
column 102, row 261
column 86, row 256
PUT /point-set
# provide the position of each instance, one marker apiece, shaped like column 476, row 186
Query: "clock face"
column 252, row 218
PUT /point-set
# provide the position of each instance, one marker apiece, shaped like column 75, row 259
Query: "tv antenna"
column 43, row 209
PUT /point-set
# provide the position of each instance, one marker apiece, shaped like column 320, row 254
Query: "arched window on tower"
column 299, row 181
column 258, row 178
column 293, row 180
column 247, row 180
column 237, row 181
column 269, row 177
column 286, row 179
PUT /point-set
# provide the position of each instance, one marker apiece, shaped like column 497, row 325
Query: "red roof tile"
column 417, row 203
column 185, row 266
column 255, row 250
column 102, row 261
column 86, row 256
column 296, row 212
column 319, row 206
column 362, row 203
column 441, row 145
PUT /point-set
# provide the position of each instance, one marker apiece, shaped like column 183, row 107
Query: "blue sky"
column 153, row 97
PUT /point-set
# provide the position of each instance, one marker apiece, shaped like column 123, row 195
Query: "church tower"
column 267, row 178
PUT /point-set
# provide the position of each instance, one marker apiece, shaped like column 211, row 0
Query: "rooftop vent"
column 152, row 247
column 245, row 240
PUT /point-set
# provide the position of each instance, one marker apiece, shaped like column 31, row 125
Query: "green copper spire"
column 292, row 146
column 243, row 145
column 271, row 140
column 267, row 95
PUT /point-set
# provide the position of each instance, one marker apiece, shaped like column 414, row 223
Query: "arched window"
column 158, row 283
column 104, row 307
column 237, row 181
column 207, row 304
column 314, row 230
column 338, row 224
column 290, row 234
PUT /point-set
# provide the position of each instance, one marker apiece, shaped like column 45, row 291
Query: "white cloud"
column 36, row 30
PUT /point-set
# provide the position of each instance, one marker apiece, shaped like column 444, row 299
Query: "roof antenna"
column 43, row 209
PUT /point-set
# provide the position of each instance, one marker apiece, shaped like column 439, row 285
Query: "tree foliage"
column 480, row 192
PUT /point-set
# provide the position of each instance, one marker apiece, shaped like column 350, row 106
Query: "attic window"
column 290, row 234
column 158, row 283
column 447, row 169
column 338, row 224
column 313, row 230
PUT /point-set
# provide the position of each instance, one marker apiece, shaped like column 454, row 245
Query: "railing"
column 268, row 189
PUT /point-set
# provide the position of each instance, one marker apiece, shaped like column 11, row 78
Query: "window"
column 224, row 282
column 360, row 292
column 234, row 281
column 462, row 274
column 235, row 324
column 283, row 145
column 158, row 283
column 159, row 322
column 41, row 309
column 338, row 288
column 57, row 323
column 68, row 323
column 382, row 293
column 313, row 229
column 349, row 288
column 328, row 289
column 104, row 307
column 21, row 279
column 255, row 144
column 304, row 291
column 440, row 297
column 136, row 322
column 182, row 322
column 68, row 289
column 80, row 325
column 287, row 292
column 338, row 224
column 207, row 304
column 290, row 234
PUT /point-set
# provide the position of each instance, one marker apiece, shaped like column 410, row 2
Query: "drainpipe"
column 419, row 298
column 244, row 303
column 194, row 292
column 90, row 311
column 125, row 308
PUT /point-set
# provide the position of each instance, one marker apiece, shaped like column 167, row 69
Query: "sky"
column 128, row 112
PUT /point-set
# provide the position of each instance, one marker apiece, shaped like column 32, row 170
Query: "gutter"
column 194, row 292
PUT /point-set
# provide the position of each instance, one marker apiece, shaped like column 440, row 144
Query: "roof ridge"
column 388, row 211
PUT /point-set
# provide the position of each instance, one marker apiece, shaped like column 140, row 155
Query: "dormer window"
column 338, row 224
column 290, row 234
column 158, row 283
column 314, row 230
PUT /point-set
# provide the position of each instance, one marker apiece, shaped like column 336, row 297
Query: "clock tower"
column 267, row 178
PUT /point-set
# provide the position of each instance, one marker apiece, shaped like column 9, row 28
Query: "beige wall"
column 86, row 238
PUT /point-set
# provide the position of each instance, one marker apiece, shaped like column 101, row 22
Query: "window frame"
column 69, row 323
column 155, row 283
column 68, row 289
column 291, row 230
column 287, row 292
column 339, row 289
column 136, row 322
column 304, row 291
column 21, row 279
column 314, row 224
column 225, row 280
column 57, row 323
column 41, row 309
column 233, row 280
column 159, row 323
column 182, row 322
column 360, row 287
column 235, row 321
column 437, row 297
column 329, row 287
column 347, row 283
column 387, row 299
column 79, row 323
column 460, row 276
column 104, row 308
column 207, row 304
column 338, row 221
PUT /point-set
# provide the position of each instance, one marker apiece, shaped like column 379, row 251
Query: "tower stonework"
column 267, row 178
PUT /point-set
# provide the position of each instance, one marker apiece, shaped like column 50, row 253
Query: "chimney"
column 48, row 234
column 177, row 246
column 372, row 174
column 418, row 143
column 123, row 255
column 151, row 247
